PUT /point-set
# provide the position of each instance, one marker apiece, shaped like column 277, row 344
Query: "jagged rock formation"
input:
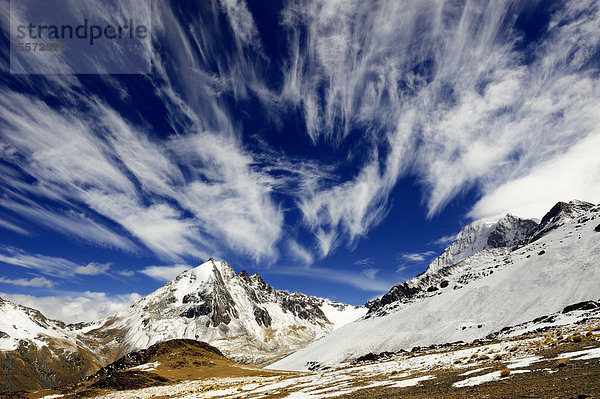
column 240, row 314
column 559, row 215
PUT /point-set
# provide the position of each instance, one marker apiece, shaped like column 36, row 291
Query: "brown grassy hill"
column 163, row 363
column 32, row 367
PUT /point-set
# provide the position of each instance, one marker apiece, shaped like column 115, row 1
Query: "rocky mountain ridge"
column 37, row 352
column 498, row 237
column 250, row 321
column 240, row 314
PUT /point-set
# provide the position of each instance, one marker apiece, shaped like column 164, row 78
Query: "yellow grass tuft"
column 505, row 373
column 575, row 338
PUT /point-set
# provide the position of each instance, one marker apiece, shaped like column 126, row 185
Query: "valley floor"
column 560, row 362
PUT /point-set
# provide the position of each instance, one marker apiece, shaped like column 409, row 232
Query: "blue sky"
column 333, row 146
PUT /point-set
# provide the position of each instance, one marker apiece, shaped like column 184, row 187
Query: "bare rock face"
column 511, row 231
column 529, row 285
column 240, row 314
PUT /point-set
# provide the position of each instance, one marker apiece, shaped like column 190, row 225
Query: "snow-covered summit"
column 239, row 313
column 22, row 324
column 483, row 234
column 502, row 234
column 559, row 215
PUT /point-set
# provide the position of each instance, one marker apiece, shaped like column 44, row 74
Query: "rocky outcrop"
column 558, row 215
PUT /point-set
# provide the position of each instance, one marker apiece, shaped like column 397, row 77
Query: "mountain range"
column 484, row 288
column 242, row 315
column 496, row 273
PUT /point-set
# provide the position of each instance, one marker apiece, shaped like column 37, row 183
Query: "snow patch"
column 146, row 366
column 480, row 379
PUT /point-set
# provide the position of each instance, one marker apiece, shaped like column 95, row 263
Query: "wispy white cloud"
column 164, row 273
column 49, row 265
column 228, row 198
column 72, row 222
column 300, row 253
column 367, row 281
column 370, row 272
column 76, row 307
column 241, row 21
column 11, row 226
column 105, row 166
column 364, row 262
column 444, row 240
column 458, row 105
column 572, row 175
column 92, row 269
column 28, row 282
column 417, row 256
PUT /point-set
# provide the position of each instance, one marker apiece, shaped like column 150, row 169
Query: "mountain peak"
column 559, row 214
column 238, row 312
column 562, row 209
column 206, row 270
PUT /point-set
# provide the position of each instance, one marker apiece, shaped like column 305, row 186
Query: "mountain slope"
column 36, row 352
column 240, row 314
column 501, row 235
column 483, row 293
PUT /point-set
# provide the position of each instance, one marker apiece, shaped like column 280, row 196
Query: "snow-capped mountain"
column 484, row 234
column 36, row 352
column 554, row 266
column 502, row 234
column 240, row 314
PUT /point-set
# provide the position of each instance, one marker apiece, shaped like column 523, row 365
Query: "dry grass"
column 562, row 363
column 575, row 338
column 269, row 334
column 505, row 373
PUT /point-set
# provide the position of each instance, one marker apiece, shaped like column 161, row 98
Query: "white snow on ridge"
column 341, row 317
column 559, row 269
column 470, row 240
column 480, row 379
column 146, row 366
column 17, row 324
